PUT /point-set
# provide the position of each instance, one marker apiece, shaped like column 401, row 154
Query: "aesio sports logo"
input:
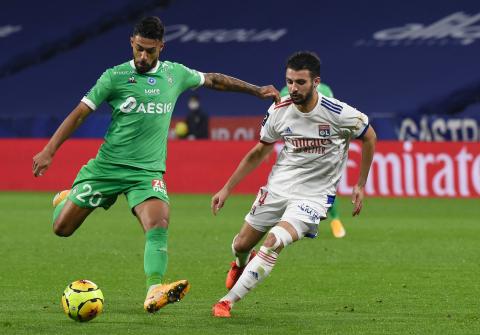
column 131, row 104
column 128, row 105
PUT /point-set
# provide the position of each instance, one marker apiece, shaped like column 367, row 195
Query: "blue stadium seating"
column 387, row 59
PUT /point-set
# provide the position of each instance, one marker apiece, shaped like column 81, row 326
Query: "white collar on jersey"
column 154, row 70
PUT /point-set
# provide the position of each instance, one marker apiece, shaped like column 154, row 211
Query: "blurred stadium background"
column 412, row 66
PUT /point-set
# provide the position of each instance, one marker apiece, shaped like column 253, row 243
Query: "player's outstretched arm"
column 251, row 160
column 43, row 159
column 368, row 149
column 221, row 82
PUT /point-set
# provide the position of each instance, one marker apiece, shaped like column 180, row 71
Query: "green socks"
column 156, row 257
column 333, row 211
column 58, row 209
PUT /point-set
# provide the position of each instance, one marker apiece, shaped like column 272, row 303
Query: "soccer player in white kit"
column 302, row 184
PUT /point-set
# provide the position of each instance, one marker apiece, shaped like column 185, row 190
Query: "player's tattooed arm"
column 221, row 82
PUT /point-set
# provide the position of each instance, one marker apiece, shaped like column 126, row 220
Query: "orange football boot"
column 235, row 272
column 161, row 295
column 222, row 309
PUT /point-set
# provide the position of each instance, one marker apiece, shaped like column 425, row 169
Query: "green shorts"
column 99, row 183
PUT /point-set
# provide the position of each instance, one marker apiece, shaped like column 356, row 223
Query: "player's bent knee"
column 65, row 226
column 278, row 238
column 270, row 241
column 61, row 229
column 62, row 233
column 240, row 245
column 155, row 223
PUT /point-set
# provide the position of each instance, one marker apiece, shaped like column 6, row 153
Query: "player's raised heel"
column 222, row 309
column 160, row 295
column 337, row 228
column 235, row 272
column 59, row 197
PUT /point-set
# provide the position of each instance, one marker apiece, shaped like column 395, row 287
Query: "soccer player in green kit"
column 336, row 225
column 142, row 94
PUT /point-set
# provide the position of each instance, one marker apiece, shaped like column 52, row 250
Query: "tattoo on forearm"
column 222, row 82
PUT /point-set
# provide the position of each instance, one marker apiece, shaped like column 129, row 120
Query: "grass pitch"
column 406, row 266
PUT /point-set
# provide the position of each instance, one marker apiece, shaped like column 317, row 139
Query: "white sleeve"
column 268, row 134
column 353, row 123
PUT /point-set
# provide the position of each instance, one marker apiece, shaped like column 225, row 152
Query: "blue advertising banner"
column 438, row 129
column 386, row 58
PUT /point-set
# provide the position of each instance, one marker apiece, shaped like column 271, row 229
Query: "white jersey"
column 316, row 146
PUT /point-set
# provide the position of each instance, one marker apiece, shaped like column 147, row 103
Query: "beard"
column 299, row 99
column 144, row 67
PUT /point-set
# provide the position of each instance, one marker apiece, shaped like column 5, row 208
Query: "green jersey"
column 323, row 89
column 142, row 106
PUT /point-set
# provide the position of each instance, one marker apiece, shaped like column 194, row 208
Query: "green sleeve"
column 188, row 78
column 100, row 92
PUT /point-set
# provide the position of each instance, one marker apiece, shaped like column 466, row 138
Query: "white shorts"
column 303, row 214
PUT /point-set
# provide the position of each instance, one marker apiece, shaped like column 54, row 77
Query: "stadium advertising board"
column 434, row 128
column 418, row 169
column 427, row 128
column 226, row 128
column 399, row 169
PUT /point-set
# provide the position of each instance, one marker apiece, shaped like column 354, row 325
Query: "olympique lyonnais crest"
column 324, row 130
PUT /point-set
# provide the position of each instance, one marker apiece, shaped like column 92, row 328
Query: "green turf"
column 406, row 266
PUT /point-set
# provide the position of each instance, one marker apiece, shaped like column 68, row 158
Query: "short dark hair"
column 149, row 27
column 305, row 60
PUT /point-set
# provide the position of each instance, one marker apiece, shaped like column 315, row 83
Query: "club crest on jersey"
column 324, row 130
column 151, row 80
column 132, row 80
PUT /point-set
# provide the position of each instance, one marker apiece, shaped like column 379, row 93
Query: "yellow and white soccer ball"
column 82, row 300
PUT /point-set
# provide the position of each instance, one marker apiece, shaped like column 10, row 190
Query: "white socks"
column 256, row 271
